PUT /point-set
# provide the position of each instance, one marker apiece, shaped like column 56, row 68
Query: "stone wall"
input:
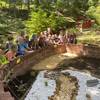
column 30, row 60
column 74, row 49
column 21, row 65
column 84, row 50
column 91, row 51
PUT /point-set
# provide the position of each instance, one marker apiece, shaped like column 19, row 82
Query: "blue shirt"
column 21, row 48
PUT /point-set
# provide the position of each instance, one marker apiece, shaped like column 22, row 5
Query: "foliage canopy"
column 47, row 13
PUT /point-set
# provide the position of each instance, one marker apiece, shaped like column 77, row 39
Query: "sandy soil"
column 51, row 62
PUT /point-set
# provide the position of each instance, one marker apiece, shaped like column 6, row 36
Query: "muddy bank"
column 72, row 62
column 83, row 64
column 20, row 86
column 66, row 87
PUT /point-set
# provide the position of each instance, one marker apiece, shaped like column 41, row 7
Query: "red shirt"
column 10, row 55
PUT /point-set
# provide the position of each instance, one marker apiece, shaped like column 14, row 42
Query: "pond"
column 43, row 87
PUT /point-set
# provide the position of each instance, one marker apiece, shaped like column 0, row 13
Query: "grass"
column 89, row 37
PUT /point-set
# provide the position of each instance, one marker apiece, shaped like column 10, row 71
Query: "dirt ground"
column 89, row 65
column 64, row 61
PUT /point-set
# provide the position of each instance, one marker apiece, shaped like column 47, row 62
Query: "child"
column 11, row 54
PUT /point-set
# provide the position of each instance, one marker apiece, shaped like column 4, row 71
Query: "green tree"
column 9, row 24
column 40, row 21
column 93, row 2
column 66, row 7
column 94, row 10
column 37, row 22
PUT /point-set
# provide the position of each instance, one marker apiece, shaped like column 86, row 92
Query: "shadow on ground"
column 91, row 65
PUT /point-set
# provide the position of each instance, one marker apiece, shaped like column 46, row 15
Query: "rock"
column 88, row 97
column 67, row 74
column 92, row 83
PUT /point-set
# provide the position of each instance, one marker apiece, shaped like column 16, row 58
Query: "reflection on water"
column 42, row 88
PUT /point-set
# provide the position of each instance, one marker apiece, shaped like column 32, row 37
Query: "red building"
column 85, row 22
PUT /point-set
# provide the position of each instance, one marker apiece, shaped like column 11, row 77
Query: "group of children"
column 47, row 38
column 24, row 45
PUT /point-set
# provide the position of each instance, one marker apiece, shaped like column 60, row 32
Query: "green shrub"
column 3, row 60
column 40, row 21
column 94, row 12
